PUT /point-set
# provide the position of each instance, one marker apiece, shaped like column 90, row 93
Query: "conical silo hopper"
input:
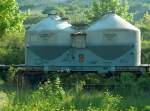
column 47, row 40
column 116, row 41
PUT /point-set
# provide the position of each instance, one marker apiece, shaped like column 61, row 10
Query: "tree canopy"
column 11, row 18
column 86, row 13
column 144, row 26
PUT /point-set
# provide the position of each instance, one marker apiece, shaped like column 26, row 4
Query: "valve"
column 81, row 57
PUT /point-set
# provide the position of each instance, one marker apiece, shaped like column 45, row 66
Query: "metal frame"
column 99, row 69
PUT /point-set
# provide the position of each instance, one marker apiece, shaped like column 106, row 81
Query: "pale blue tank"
column 115, row 41
column 55, row 45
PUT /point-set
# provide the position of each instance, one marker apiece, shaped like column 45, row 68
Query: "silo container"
column 116, row 41
column 47, row 40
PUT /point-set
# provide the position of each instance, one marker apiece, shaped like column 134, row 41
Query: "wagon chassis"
column 25, row 72
column 144, row 68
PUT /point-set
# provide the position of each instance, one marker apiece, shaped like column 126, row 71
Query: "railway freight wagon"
column 108, row 44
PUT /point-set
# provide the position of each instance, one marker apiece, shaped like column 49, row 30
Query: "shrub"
column 143, row 83
column 52, row 88
column 146, row 108
column 12, row 49
column 125, row 84
column 110, row 102
column 132, row 109
column 11, row 73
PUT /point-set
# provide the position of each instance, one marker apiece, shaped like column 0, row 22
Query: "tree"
column 12, row 48
column 144, row 26
column 11, row 18
column 11, row 33
column 87, row 13
column 101, row 7
column 78, row 15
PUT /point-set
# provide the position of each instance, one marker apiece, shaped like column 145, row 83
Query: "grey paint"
column 111, row 52
column 48, row 52
column 47, row 40
column 106, row 46
column 71, row 58
column 112, row 30
column 111, row 21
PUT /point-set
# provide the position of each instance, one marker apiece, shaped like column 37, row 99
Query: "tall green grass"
column 132, row 95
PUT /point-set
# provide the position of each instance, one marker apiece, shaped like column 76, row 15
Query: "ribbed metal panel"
column 78, row 40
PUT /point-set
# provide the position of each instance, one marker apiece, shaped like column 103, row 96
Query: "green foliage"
column 11, row 33
column 33, row 19
column 11, row 73
column 47, row 10
column 143, row 83
column 146, row 108
column 50, row 96
column 84, row 14
column 12, row 49
column 132, row 109
column 145, row 27
column 145, row 52
column 128, row 84
column 1, row 81
column 37, row 102
column 52, row 88
column 101, row 7
column 47, row 97
column 139, row 7
column 4, row 99
column 11, row 19
column 110, row 102
column 8, row 76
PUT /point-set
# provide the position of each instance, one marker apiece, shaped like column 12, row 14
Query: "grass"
column 100, row 101
column 136, row 101
column 3, row 99
column 50, row 96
